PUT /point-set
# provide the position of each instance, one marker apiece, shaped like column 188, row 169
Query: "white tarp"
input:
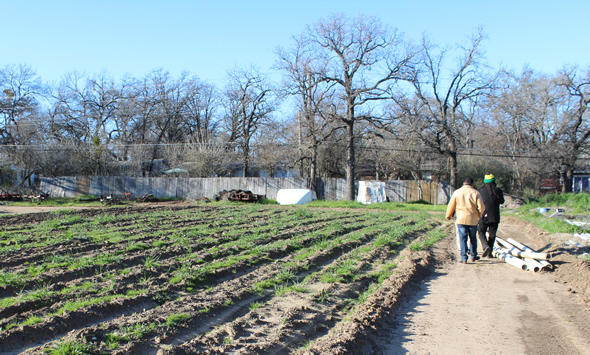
column 371, row 192
column 295, row 196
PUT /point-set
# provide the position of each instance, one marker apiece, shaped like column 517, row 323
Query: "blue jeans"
column 471, row 232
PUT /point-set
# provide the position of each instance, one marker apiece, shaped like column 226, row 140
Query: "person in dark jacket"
column 492, row 197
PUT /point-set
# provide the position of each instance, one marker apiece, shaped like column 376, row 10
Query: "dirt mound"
column 569, row 261
column 360, row 333
column 511, row 201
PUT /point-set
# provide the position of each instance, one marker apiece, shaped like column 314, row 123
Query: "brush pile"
column 238, row 196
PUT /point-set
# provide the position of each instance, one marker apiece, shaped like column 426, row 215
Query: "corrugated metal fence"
column 327, row 189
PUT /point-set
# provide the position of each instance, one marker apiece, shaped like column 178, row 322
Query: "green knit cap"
column 489, row 178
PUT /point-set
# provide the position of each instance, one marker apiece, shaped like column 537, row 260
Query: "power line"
column 498, row 153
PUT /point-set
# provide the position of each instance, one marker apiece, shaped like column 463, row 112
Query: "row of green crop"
column 251, row 244
column 288, row 279
column 103, row 258
column 357, row 265
column 113, row 237
column 64, row 226
column 150, row 262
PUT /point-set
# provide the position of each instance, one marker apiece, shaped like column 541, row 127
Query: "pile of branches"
column 237, row 196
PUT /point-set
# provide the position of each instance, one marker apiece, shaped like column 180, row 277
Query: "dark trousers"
column 491, row 228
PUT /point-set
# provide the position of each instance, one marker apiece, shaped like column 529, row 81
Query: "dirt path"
column 490, row 307
column 20, row 209
column 10, row 209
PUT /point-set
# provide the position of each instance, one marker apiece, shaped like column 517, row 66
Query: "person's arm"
column 451, row 207
column 481, row 208
column 501, row 194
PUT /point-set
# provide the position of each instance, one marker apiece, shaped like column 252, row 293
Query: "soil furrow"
column 179, row 273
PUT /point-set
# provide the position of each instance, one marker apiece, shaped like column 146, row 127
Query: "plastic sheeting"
column 295, row 196
column 371, row 192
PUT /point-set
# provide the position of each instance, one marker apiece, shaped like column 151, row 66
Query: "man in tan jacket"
column 468, row 206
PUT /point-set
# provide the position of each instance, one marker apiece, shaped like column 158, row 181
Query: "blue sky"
column 208, row 38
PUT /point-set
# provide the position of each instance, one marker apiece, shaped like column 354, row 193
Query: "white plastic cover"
column 295, row 196
column 371, row 192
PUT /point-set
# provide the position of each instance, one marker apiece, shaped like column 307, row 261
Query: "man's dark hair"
column 468, row 181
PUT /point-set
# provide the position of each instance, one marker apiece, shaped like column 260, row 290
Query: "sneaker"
column 486, row 252
column 475, row 258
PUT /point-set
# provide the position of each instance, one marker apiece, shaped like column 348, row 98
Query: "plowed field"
column 200, row 278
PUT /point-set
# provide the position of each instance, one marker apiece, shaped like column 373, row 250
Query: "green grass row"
column 575, row 205
column 72, row 262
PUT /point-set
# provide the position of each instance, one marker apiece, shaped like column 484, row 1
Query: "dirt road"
column 490, row 307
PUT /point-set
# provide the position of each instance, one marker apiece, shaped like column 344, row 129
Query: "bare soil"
column 491, row 307
column 10, row 209
column 432, row 305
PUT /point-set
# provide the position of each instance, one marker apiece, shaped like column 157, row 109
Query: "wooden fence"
column 193, row 188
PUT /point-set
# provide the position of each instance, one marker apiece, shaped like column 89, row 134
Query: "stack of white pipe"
column 520, row 255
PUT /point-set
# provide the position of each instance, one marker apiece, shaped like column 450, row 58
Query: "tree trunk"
column 300, row 144
column 246, row 161
column 567, row 181
column 453, row 172
column 518, row 184
column 313, row 168
column 350, row 193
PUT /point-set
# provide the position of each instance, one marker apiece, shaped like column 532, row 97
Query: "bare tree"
column 250, row 102
column 574, row 130
column 542, row 118
column 170, row 111
column 441, row 109
column 363, row 59
column 20, row 90
column 201, row 112
column 315, row 101
column 271, row 153
column 401, row 156
column 522, row 123
column 22, row 128
column 84, row 112
column 86, row 106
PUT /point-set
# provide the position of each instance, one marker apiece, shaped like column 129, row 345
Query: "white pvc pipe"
column 546, row 264
column 518, row 244
column 534, row 265
column 526, row 248
column 517, row 252
column 514, row 261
